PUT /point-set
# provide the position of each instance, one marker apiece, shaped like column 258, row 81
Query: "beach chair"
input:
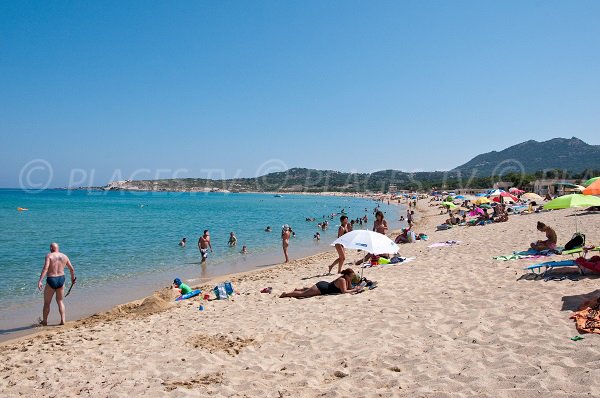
column 550, row 265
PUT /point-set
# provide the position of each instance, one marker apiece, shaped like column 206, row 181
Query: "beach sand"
column 452, row 323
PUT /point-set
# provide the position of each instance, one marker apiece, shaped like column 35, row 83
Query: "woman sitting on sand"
column 341, row 285
column 551, row 239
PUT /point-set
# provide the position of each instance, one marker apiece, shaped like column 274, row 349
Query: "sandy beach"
column 454, row 322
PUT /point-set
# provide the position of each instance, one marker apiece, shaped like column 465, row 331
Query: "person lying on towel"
column 341, row 285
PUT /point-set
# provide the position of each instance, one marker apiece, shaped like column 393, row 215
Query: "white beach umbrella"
column 369, row 241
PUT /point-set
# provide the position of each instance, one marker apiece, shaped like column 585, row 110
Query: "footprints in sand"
column 205, row 380
column 220, row 343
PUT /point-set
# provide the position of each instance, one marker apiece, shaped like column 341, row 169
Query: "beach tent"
column 590, row 181
column 369, row 241
column 592, row 189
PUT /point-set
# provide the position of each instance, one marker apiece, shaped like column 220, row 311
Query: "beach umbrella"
column 459, row 197
column 590, row 181
column 511, row 199
column 496, row 192
column 532, row 196
column 475, row 212
column 485, row 206
column 480, row 194
column 592, row 189
column 369, row 241
column 573, row 200
column 481, row 200
column 449, row 205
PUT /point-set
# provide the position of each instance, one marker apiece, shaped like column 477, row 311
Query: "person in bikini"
column 551, row 238
column 343, row 229
column 285, row 241
column 54, row 270
column 341, row 285
column 380, row 225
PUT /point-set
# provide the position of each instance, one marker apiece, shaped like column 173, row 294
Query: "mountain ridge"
column 520, row 164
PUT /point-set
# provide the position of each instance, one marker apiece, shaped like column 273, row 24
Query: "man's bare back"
column 56, row 264
column 54, row 271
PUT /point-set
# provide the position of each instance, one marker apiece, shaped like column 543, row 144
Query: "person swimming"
column 244, row 250
column 183, row 242
column 232, row 240
column 268, row 229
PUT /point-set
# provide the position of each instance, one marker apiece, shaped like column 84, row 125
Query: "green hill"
column 572, row 155
column 520, row 164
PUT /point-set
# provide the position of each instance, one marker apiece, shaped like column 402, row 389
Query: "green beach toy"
column 577, row 338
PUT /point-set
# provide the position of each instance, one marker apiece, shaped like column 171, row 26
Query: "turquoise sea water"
column 128, row 241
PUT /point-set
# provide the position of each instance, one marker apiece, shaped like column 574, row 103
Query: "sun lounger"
column 550, row 265
column 580, row 250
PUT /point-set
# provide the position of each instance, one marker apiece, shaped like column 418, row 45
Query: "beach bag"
column 220, row 292
column 228, row 288
column 578, row 240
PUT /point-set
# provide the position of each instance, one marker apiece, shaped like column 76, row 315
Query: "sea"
column 124, row 244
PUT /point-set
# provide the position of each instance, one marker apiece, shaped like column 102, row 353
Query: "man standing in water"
column 204, row 245
column 285, row 241
column 54, row 268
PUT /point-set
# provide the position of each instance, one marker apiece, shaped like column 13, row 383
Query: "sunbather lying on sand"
column 341, row 285
column 548, row 244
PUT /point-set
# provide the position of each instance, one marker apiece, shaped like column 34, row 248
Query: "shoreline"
column 469, row 320
column 262, row 263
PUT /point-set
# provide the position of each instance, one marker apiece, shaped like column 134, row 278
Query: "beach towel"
column 394, row 261
column 529, row 253
column 587, row 318
column 593, row 264
column 533, row 252
column 445, row 244
column 514, row 257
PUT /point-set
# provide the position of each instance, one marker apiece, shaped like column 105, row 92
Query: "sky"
column 93, row 91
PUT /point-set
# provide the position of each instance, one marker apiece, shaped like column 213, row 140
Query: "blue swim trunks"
column 55, row 282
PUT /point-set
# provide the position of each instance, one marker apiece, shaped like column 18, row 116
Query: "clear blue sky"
column 345, row 85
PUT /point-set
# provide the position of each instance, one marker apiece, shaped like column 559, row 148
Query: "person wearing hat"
column 285, row 241
column 182, row 287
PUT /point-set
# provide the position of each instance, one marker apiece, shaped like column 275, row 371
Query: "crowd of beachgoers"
column 460, row 295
